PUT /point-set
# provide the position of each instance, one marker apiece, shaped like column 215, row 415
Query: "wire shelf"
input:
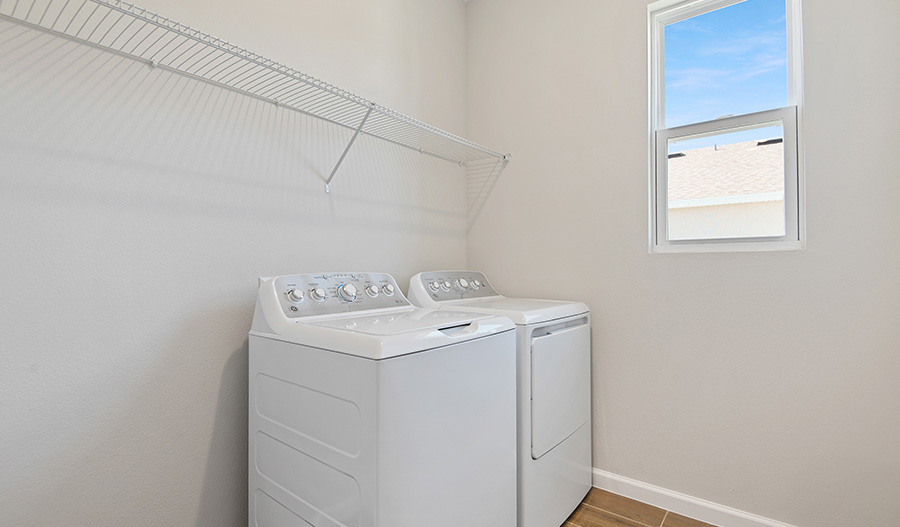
column 133, row 32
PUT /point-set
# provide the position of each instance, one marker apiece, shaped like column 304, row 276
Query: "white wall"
column 137, row 210
column 757, row 218
column 760, row 381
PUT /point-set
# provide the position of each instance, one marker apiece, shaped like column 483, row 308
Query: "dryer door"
column 560, row 386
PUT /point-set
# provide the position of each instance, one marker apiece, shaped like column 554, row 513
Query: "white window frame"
column 665, row 12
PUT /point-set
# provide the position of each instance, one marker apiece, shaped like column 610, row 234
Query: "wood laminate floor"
column 605, row 509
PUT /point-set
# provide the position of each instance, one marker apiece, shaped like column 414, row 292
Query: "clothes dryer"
column 553, row 343
column 367, row 411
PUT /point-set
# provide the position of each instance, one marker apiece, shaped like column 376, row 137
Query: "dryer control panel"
column 455, row 285
column 306, row 295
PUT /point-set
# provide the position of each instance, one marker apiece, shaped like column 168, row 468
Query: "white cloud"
column 696, row 77
column 744, row 45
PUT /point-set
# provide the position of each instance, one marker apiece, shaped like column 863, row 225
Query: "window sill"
column 729, row 247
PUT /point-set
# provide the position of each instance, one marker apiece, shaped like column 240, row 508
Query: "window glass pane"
column 727, row 185
column 730, row 61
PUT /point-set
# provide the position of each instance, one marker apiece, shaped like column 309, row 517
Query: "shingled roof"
column 734, row 173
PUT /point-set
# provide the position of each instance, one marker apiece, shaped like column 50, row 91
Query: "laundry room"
column 158, row 178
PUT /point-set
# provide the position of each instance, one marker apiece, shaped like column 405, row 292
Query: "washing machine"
column 553, row 341
column 365, row 411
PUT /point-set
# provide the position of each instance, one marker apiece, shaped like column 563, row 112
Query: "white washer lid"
column 522, row 311
column 393, row 332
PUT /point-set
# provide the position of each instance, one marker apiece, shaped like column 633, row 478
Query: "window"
column 725, row 106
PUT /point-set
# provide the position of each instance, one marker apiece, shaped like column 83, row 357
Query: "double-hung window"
column 726, row 168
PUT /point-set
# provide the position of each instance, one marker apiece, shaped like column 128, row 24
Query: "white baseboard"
column 705, row 511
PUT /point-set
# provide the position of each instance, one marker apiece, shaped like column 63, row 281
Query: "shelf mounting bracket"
column 347, row 149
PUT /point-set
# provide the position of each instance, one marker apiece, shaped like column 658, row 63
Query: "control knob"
column 347, row 292
column 434, row 286
column 445, row 285
column 388, row 290
column 476, row 283
column 317, row 294
column 372, row 290
column 461, row 285
column 295, row 296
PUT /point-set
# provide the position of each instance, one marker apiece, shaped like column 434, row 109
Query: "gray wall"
column 138, row 209
column 760, row 381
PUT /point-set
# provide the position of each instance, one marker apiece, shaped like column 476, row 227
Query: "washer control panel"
column 306, row 295
column 456, row 285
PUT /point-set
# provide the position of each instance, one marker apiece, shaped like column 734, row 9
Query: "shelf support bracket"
column 347, row 149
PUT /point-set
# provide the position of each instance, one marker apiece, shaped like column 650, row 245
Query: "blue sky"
column 729, row 61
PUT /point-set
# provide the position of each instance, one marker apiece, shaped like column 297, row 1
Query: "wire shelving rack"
column 130, row 31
